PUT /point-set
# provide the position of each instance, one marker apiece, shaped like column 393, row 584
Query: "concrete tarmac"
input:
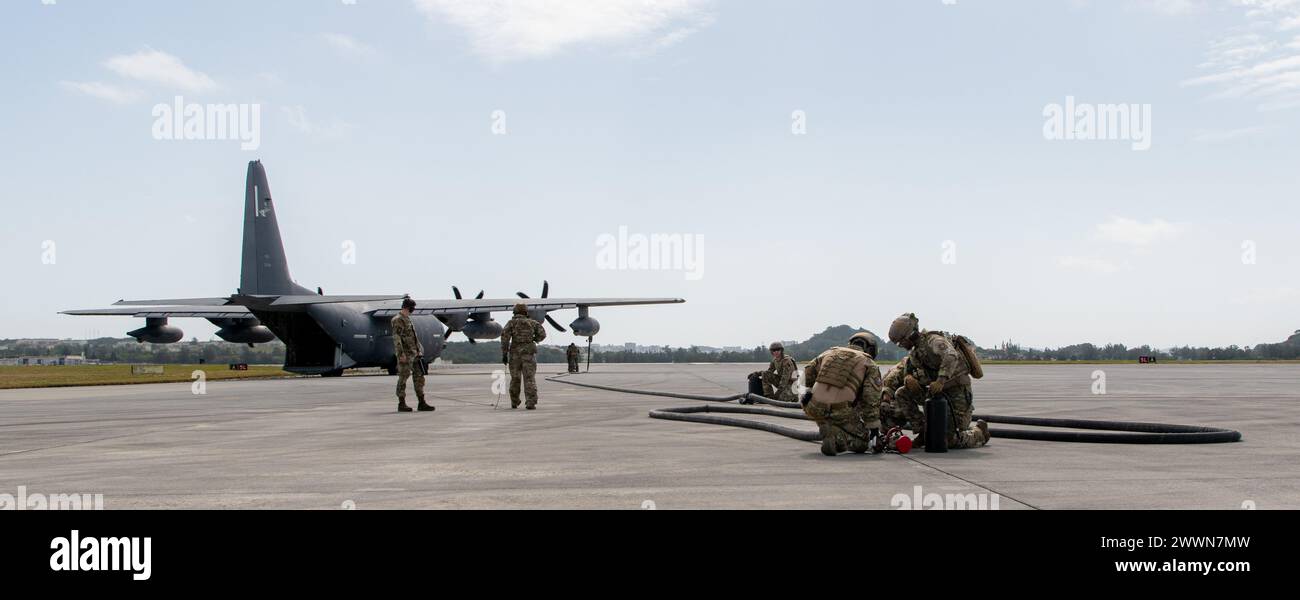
column 318, row 443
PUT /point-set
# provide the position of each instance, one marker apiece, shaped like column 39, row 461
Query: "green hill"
column 839, row 336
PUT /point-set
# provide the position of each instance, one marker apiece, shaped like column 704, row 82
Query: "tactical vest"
column 930, row 363
column 522, row 338
column 837, row 368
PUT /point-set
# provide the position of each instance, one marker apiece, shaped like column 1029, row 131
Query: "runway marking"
column 978, row 485
column 69, row 445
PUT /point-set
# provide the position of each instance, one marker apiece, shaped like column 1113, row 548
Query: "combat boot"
column 401, row 405
column 832, row 444
column 860, row 446
column 423, row 407
column 983, row 427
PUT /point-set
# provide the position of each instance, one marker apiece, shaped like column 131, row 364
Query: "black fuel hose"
column 692, row 414
column 1118, row 432
column 755, row 398
column 1131, row 432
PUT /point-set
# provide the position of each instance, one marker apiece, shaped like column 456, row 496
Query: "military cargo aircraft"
column 326, row 334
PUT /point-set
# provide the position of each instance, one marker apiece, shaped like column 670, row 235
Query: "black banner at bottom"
column 159, row 549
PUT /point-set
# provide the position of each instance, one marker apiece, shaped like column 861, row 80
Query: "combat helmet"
column 774, row 346
column 903, row 327
column 865, row 342
column 521, row 308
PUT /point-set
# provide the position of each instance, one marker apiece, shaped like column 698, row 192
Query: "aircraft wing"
column 206, row 312
column 478, row 305
column 228, row 307
column 236, row 306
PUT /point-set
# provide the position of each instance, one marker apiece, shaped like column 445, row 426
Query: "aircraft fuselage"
column 327, row 338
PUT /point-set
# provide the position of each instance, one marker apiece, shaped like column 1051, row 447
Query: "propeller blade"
column 521, row 295
column 546, row 288
column 471, row 340
column 555, row 325
column 479, row 296
column 455, row 290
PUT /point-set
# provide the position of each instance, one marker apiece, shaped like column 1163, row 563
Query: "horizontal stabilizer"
column 317, row 299
column 175, row 302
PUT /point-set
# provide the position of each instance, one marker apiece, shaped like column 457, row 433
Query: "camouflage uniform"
column 572, row 353
column 519, row 345
column 899, row 406
column 845, row 403
column 941, row 361
column 407, row 347
column 779, row 378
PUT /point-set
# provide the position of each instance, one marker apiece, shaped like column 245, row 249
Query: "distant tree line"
column 1288, row 350
column 129, row 351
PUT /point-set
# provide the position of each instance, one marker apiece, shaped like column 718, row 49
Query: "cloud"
column 1088, row 263
column 506, row 30
column 348, row 46
column 103, row 91
column 1258, row 61
column 1207, row 136
column 1175, row 8
column 269, row 78
column 1137, row 233
column 298, row 119
column 160, row 68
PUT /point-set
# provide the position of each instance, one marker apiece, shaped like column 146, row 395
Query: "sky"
column 833, row 162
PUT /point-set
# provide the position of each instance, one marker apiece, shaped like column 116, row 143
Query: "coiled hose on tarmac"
column 1117, row 432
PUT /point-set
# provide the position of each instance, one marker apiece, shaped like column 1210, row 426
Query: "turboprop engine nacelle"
column 584, row 325
column 486, row 329
column 243, row 331
column 256, row 334
column 157, row 331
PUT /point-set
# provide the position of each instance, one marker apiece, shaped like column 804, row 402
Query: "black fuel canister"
column 936, row 425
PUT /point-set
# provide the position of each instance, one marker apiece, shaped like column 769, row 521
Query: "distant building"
column 48, row 361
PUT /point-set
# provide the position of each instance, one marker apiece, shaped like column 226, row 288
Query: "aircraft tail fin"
column 265, row 269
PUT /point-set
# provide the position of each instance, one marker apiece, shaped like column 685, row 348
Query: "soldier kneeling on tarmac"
column 778, row 380
column 902, row 406
column 934, row 368
column 844, row 396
